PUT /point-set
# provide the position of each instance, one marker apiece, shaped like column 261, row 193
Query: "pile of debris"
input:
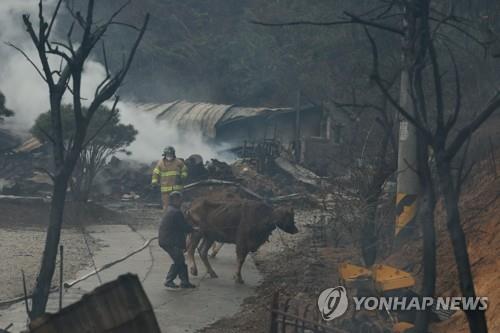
column 213, row 169
column 24, row 172
column 124, row 179
column 23, row 168
column 219, row 170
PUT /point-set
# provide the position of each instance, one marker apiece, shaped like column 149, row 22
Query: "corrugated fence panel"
column 117, row 306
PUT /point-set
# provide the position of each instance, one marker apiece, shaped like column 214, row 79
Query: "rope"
column 108, row 265
column 91, row 255
column 244, row 189
column 82, row 229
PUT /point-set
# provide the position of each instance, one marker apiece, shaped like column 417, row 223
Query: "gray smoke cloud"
column 22, row 86
column 25, row 90
column 27, row 93
column 153, row 136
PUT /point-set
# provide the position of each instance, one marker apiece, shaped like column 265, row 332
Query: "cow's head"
column 284, row 219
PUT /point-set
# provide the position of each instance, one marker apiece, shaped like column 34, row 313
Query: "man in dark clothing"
column 172, row 238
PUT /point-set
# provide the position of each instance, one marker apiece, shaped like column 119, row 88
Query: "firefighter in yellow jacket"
column 170, row 174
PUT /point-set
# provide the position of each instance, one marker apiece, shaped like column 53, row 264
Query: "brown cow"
column 248, row 224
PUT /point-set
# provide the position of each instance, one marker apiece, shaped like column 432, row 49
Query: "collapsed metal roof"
column 29, row 145
column 206, row 117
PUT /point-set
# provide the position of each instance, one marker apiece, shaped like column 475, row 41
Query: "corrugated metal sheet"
column 29, row 145
column 238, row 113
column 199, row 117
column 205, row 117
column 119, row 306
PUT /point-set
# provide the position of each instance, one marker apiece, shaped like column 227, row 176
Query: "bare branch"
column 114, row 83
column 27, row 58
column 356, row 19
column 118, row 11
column 64, row 46
column 127, row 25
column 353, row 19
column 55, row 51
column 106, row 66
column 463, row 31
column 113, row 113
column 305, row 22
column 88, row 21
column 458, row 95
column 69, row 36
column 53, row 19
column 356, row 105
column 375, row 76
column 460, row 174
column 468, row 130
column 76, row 16
column 45, row 133
column 437, row 86
column 42, row 25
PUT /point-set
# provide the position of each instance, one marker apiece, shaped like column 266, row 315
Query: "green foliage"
column 104, row 128
column 105, row 137
column 4, row 112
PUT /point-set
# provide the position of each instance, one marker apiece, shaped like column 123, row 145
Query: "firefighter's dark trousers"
column 179, row 267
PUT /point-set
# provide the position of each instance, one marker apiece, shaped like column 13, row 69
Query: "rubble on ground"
column 298, row 172
column 24, row 171
column 219, row 170
column 124, row 179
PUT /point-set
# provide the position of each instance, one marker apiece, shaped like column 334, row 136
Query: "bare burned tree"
column 371, row 176
column 67, row 77
column 435, row 130
column 425, row 24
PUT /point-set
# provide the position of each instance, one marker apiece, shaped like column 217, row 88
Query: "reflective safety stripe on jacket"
column 170, row 174
column 172, row 188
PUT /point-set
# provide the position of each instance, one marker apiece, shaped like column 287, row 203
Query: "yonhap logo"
column 333, row 303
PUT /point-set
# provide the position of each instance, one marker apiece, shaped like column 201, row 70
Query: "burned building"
column 295, row 130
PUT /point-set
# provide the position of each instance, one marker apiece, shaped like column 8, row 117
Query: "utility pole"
column 407, row 179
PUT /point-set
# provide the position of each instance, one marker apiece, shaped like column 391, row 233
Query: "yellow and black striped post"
column 406, row 210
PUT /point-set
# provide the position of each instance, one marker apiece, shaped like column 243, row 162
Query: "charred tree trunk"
column 48, row 265
column 425, row 218
column 58, row 81
column 476, row 319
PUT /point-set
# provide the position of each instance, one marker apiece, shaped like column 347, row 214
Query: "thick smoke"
column 24, row 89
column 27, row 93
column 154, row 136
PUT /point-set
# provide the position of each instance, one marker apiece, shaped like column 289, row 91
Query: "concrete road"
column 176, row 311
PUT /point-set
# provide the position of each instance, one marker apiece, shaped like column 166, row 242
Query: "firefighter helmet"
column 169, row 151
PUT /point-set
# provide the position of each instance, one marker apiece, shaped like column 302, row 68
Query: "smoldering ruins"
column 349, row 149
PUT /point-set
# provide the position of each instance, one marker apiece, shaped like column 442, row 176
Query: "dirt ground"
column 299, row 271
column 22, row 249
column 22, row 239
column 480, row 210
column 480, row 213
